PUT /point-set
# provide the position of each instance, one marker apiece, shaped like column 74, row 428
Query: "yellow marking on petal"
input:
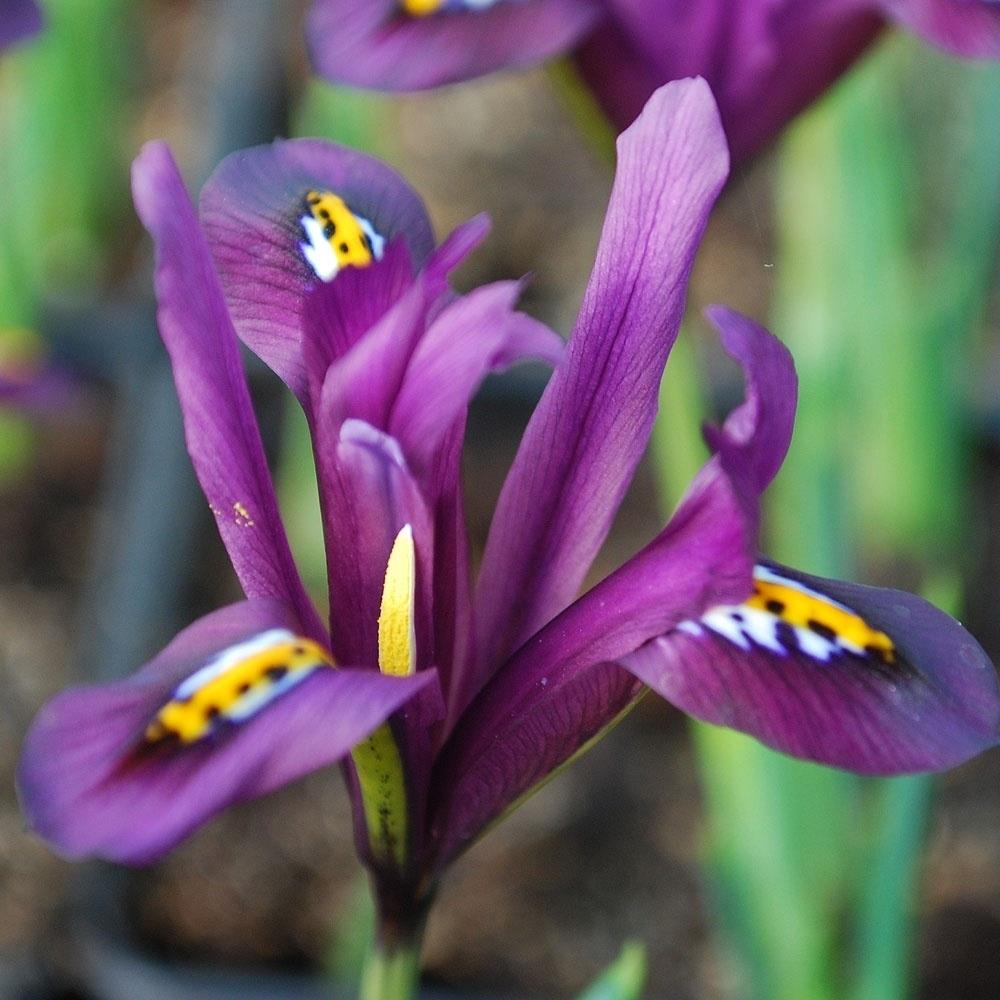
column 382, row 782
column 811, row 611
column 397, row 652
column 335, row 236
column 236, row 684
column 422, row 8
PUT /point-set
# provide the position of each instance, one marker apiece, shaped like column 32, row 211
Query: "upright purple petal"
column 222, row 434
column 476, row 334
column 91, row 785
column 251, row 208
column 590, row 429
column 375, row 43
column 19, row 19
column 964, row 27
column 364, row 382
column 870, row 680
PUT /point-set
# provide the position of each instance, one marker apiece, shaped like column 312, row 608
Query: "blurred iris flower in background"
column 448, row 701
column 765, row 60
column 19, row 19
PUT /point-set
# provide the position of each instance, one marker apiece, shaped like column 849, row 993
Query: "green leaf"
column 624, row 979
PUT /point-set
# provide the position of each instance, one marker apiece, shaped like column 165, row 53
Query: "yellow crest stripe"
column 397, row 653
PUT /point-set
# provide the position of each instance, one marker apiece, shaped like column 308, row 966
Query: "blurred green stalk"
column 62, row 173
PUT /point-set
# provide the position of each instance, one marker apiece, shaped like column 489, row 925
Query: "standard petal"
column 590, row 429
column 473, row 336
column 19, row 19
column 219, row 425
column 374, row 43
column 92, row 786
column 364, row 382
column 765, row 60
column 252, row 211
column 869, row 680
column 964, row 27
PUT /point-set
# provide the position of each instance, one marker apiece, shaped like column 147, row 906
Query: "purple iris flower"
column 19, row 19
column 449, row 699
column 28, row 383
column 766, row 60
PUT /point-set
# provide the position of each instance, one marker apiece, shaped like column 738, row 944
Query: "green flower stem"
column 391, row 974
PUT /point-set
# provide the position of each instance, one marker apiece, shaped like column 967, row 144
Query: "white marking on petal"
column 770, row 576
column 720, row 620
column 761, row 626
column 229, row 658
column 691, row 628
column 259, row 697
column 318, row 251
column 377, row 240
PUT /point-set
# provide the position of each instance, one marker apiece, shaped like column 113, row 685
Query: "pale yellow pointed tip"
column 397, row 645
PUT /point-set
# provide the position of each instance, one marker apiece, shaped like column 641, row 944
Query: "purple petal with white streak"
column 522, row 723
column 250, row 209
column 935, row 706
column 90, row 789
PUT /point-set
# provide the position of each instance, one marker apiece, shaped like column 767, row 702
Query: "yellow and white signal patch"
column 335, row 237
column 236, row 684
column 785, row 616
column 424, row 8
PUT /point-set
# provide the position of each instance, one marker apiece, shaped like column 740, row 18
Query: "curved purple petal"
column 963, row 27
column 475, row 335
column 589, row 431
column 374, row 43
column 219, row 425
column 522, row 724
column 91, row 786
column 251, row 208
column 765, row 60
column 19, row 19
column 560, row 689
column 754, row 439
column 883, row 683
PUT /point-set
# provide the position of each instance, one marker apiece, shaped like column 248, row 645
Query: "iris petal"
column 375, row 43
column 92, row 784
column 874, row 681
column 251, row 209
